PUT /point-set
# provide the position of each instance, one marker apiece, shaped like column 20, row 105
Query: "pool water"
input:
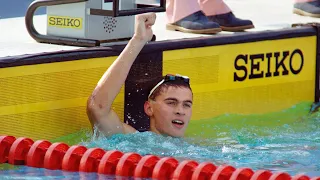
column 289, row 141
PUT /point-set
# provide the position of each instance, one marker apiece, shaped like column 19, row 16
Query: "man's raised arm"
column 99, row 103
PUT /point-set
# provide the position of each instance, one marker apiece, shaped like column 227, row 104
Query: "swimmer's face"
column 171, row 111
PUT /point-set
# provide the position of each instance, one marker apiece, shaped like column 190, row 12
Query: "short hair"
column 176, row 83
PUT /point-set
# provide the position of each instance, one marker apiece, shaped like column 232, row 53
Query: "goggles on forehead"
column 170, row 77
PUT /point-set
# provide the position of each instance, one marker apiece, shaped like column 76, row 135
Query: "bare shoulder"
column 109, row 123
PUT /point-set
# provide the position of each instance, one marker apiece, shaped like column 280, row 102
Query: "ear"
column 148, row 108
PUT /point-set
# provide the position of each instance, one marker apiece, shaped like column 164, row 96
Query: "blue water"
column 284, row 148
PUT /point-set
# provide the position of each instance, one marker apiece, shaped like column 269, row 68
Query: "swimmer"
column 169, row 104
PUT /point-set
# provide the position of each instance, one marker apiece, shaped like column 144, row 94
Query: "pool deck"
column 266, row 15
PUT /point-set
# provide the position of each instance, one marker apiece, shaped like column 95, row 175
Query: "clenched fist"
column 143, row 26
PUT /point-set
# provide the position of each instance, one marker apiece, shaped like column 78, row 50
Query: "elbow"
column 95, row 107
column 93, row 112
column 90, row 110
column 90, row 103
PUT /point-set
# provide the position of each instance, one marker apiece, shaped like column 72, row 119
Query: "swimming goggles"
column 170, row 77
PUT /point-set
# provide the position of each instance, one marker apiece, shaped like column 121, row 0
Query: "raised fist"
column 143, row 24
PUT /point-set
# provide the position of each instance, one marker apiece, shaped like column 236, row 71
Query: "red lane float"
column 54, row 155
column 261, row 175
column 19, row 150
column 300, row 177
column 24, row 151
column 203, row 171
column 242, row 174
column 280, row 176
column 127, row 164
column 184, row 170
column 223, row 172
column 91, row 159
column 71, row 159
column 35, row 156
column 316, row 178
column 5, row 145
column 145, row 166
column 164, row 168
column 109, row 161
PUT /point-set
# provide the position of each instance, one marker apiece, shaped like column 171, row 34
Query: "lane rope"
column 59, row 156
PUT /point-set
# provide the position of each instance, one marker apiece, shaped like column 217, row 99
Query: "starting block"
column 88, row 22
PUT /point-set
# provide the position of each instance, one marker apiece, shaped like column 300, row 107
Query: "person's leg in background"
column 186, row 16
column 307, row 8
column 219, row 12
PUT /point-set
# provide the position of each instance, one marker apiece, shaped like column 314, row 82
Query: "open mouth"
column 178, row 123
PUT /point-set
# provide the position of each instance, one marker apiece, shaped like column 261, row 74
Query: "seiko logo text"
column 65, row 22
column 267, row 65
